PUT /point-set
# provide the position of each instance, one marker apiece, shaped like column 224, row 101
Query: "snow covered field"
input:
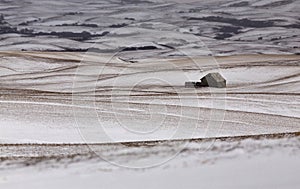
column 225, row 26
column 59, row 102
column 250, row 162
column 92, row 94
column 55, row 99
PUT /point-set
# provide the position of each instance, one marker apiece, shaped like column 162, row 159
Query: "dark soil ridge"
column 154, row 142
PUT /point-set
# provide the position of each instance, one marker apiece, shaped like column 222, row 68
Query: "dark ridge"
column 118, row 25
column 237, row 22
column 72, row 13
column 7, row 29
column 227, row 31
column 297, row 26
column 82, row 36
column 155, row 142
column 167, row 46
column 224, row 13
column 70, row 50
column 23, row 24
column 222, row 36
column 66, row 49
column 93, row 49
column 240, row 4
column 128, row 60
column 139, row 48
column 129, row 19
column 230, row 29
column 81, row 25
column 29, row 22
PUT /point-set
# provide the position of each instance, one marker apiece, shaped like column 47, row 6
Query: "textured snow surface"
column 92, row 94
column 224, row 27
column 259, row 162
column 59, row 97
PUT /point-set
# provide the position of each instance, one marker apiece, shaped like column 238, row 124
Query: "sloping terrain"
column 92, row 94
column 74, row 98
column 234, row 162
column 224, row 27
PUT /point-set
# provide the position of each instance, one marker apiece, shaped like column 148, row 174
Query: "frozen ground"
column 225, row 27
column 75, row 98
column 138, row 114
column 269, row 161
column 91, row 89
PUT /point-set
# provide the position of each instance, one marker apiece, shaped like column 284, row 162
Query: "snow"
column 248, row 163
column 90, row 112
column 101, row 98
column 154, row 21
